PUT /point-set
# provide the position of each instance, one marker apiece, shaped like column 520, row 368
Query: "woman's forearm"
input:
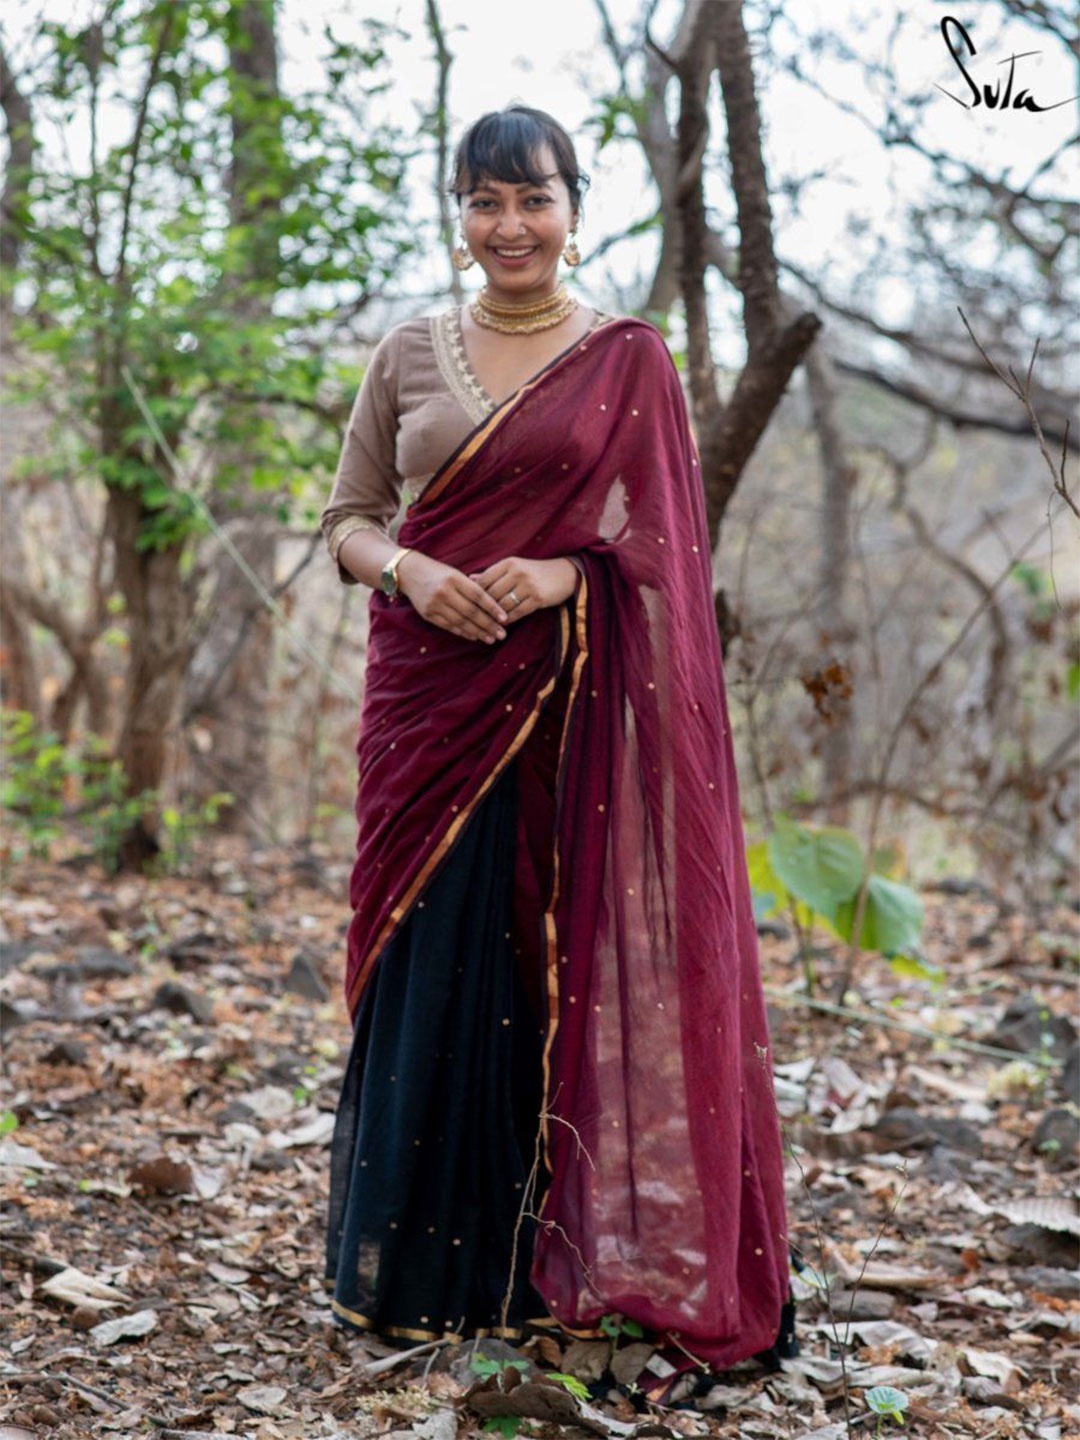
column 364, row 553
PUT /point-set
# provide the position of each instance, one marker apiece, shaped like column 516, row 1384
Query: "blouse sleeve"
column 367, row 487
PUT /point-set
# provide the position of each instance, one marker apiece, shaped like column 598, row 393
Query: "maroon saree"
column 634, row 923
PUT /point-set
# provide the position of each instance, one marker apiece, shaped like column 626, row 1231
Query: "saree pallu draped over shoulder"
column 664, row 1200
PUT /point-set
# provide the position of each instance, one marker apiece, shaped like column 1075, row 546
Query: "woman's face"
column 518, row 232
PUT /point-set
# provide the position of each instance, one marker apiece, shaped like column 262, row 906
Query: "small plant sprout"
column 485, row 1367
column 505, row 1425
column 887, row 1403
column 577, row 1388
column 615, row 1325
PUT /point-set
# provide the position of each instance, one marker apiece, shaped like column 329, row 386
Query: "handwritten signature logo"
column 991, row 96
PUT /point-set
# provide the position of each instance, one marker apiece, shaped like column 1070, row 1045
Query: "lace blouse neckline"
column 461, row 379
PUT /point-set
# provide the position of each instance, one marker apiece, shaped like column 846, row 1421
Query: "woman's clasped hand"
column 478, row 606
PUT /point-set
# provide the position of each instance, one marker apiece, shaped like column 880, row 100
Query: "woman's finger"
column 476, row 618
column 474, row 594
column 490, row 574
column 514, row 602
column 486, row 603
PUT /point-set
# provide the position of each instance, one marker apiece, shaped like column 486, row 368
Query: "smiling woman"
column 558, row 1106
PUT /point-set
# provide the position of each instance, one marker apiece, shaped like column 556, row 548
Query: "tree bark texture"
column 158, row 603
column 836, row 631
column 229, row 686
column 778, row 334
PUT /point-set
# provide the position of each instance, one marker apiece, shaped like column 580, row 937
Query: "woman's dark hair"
column 504, row 145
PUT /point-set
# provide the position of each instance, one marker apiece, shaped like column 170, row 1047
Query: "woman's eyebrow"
column 518, row 184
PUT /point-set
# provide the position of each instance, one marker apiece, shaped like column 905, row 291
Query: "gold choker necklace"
column 523, row 319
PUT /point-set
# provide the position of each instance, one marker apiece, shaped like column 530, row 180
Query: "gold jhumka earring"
column 572, row 255
column 461, row 256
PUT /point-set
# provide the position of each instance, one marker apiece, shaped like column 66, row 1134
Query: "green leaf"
column 9, row 1121
column 887, row 1400
column 767, row 892
column 1072, row 680
column 892, row 919
column 822, row 867
column 483, row 1365
column 577, row 1387
column 507, row 1425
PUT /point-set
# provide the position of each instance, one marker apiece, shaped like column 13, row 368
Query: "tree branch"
column 957, row 414
column 136, row 139
column 1022, row 391
column 440, row 118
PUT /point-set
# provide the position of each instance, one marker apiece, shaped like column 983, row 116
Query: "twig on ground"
column 25, row 1377
column 387, row 1363
column 924, row 1032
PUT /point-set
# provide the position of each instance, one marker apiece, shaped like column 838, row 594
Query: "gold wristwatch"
column 388, row 580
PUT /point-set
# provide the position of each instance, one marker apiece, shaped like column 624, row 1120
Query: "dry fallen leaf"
column 263, row 1399
column 1050, row 1211
column 22, row 1157
column 162, row 1176
column 996, row 1367
column 124, row 1327
column 79, row 1289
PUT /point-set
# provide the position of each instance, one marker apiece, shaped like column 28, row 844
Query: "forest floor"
column 173, row 1049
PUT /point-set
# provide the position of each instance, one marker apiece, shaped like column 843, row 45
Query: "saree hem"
column 432, row 1178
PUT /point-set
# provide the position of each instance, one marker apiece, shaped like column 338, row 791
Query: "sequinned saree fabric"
column 631, row 969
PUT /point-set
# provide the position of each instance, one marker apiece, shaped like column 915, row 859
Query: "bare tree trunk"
column 21, row 690
column 158, row 603
column 229, row 684
column 777, row 334
column 836, row 630
column 13, row 198
column 440, row 121
column 21, row 685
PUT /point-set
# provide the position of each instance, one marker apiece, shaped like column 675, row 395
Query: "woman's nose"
column 511, row 223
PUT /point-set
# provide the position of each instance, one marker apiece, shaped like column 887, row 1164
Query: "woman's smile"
column 514, row 256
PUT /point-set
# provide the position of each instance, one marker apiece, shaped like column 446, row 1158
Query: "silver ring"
column 514, row 597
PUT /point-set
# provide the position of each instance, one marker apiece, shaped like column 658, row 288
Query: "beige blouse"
column 418, row 401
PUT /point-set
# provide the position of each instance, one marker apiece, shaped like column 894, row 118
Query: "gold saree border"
column 581, row 637
column 452, row 1337
column 401, row 1332
column 402, row 908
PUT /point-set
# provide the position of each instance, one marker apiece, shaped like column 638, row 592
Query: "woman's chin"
column 511, row 282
